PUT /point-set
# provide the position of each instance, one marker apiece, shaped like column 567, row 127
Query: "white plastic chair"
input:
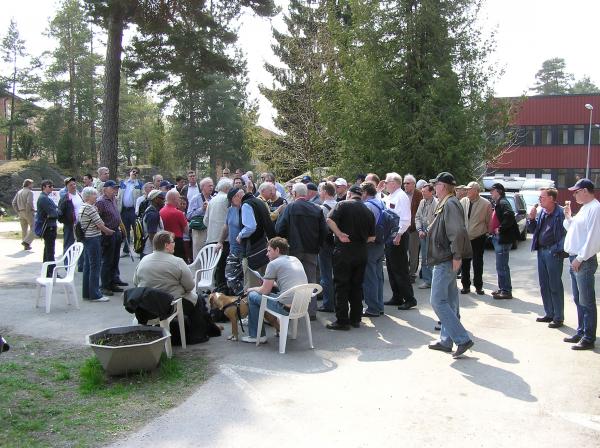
column 165, row 323
column 205, row 264
column 298, row 298
column 67, row 263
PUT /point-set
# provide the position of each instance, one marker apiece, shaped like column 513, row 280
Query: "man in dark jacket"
column 303, row 225
column 548, row 240
column 448, row 243
column 505, row 231
column 47, row 213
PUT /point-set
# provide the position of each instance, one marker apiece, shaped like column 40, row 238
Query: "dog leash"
column 237, row 310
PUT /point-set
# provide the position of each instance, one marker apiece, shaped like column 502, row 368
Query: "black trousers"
column 109, row 272
column 349, row 262
column 49, row 242
column 478, row 246
column 179, row 249
column 396, row 260
column 220, row 280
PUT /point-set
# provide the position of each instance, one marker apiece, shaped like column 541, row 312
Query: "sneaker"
column 251, row 340
column 101, row 299
column 424, row 286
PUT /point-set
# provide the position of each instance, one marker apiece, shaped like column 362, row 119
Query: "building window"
column 563, row 135
column 530, row 136
column 595, row 176
column 546, row 174
column 595, row 134
column 561, row 179
column 579, row 135
column 546, row 135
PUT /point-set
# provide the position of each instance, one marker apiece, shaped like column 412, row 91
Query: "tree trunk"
column 11, row 127
column 92, row 105
column 112, row 75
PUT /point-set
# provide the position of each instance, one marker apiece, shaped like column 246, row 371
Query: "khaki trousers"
column 26, row 220
column 198, row 241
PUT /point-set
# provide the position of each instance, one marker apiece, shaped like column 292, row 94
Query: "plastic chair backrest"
column 69, row 260
column 208, row 257
column 300, row 298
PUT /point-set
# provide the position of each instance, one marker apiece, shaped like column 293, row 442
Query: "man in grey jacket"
column 448, row 243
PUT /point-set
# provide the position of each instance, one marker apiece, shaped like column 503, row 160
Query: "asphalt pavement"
column 375, row 386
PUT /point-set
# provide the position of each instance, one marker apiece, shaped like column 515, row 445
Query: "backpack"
column 139, row 237
column 387, row 224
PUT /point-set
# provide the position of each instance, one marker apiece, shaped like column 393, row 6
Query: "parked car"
column 536, row 183
column 517, row 203
column 511, row 183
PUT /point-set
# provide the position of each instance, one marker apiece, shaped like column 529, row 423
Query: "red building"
column 552, row 141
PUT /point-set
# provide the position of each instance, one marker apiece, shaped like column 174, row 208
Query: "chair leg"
column 48, row 296
column 294, row 329
column 283, row 333
column 67, row 294
column 168, row 347
column 74, row 295
column 181, row 322
column 309, row 330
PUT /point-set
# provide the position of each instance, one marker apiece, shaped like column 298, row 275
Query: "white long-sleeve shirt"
column 399, row 202
column 583, row 232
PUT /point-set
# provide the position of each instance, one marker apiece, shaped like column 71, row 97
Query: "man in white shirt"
column 192, row 188
column 583, row 243
column 195, row 214
column 396, row 253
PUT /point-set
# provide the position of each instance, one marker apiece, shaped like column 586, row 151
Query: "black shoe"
column 115, row 288
column 393, row 301
column 120, row 283
column 555, row 324
column 481, row 292
column 465, row 290
column 545, row 319
column 322, row 309
column 408, row 305
column 106, row 292
column 573, row 339
column 439, row 347
column 312, row 318
column 496, row 292
column 583, row 345
column 503, row 296
column 368, row 314
column 438, row 328
column 337, row 326
column 462, row 348
column 355, row 324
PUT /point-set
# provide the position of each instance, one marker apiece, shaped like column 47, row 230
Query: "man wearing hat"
column 313, row 193
column 478, row 212
column 448, row 244
column 583, row 243
column 353, row 225
column 152, row 222
column 505, row 231
column 341, row 188
column 108, row 211
column 461, row 192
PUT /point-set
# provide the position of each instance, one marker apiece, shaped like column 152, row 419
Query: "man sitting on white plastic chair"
column 285, row 271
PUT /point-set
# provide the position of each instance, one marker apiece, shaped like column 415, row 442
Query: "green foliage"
column 552, row 78
column 584, row 86
column 91, row 376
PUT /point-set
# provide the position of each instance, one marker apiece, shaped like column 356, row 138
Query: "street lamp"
column 587, row 165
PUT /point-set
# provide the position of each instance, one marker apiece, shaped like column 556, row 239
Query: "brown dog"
column 228, row 305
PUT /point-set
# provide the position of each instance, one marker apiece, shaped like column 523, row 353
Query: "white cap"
column 341, row 181
column 421, row 183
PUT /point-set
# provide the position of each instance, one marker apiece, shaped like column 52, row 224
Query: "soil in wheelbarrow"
column 129, row 338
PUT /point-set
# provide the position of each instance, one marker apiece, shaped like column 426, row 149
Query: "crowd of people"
column 328, row 231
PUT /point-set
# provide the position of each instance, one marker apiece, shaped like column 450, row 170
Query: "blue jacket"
column 47, row 210
column 557, row 217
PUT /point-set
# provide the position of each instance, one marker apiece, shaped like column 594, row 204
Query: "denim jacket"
column 557, row 217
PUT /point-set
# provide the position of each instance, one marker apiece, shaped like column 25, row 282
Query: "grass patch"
column 52, row 395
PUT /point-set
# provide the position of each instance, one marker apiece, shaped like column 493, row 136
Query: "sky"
column 527, row 32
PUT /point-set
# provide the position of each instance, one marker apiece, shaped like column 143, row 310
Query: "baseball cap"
column 312, row 186
column 70, row 179
column 111, row 183
column 165, row 183
column 232, row 193
column 582, row 183
column 156, row 193
column 421, row 183
column 341, row 181
column 356, row 189
column 306, row 179
column 472, row 184
column 461, row 187
column 499, row 187
column 444, row 177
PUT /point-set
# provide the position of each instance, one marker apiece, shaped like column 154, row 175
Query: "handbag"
column 79, row 232
column 256, row 253
column 197, row 223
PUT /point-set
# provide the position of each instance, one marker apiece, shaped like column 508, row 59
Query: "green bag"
column 197, row 223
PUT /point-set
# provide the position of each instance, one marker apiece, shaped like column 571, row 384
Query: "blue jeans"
column 92, row 255
column 584, row 295
column 426, row 271
column 128, row 218
column 373, row 281
column 68, row 236
column 254, row 300
column 444, row 301
column 326, row 270
column 551, row 287
column 502, row 268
